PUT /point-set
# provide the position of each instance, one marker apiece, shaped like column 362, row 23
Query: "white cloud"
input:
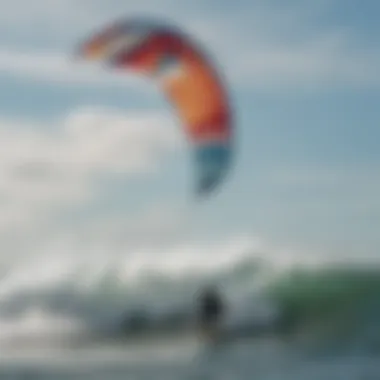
column 41, row 171
column 319, row 63
column 156, row 225
column 62, row 69
column 63, row 21
column 265, row 47
column 353, row 178
column 278, row 47
column 330, row 207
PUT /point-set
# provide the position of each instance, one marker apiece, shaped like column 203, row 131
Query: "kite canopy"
column 188, row 80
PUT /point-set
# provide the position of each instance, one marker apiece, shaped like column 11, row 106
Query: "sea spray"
column 106, row 295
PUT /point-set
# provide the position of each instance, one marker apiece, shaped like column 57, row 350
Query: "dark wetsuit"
column 210, row 309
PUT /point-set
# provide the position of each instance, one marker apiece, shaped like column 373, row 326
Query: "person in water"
column 211, row 310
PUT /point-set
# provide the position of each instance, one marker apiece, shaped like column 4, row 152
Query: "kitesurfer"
column 211, row 310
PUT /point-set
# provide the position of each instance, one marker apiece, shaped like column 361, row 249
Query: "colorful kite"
column 187, row 78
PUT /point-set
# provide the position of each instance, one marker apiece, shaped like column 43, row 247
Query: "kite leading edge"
column 187, row 78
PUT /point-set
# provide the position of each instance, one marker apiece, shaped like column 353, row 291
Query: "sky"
column 92, row 159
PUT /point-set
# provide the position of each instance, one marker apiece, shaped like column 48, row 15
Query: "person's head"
column 210, row 290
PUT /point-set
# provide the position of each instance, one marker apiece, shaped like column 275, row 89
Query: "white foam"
column 94, row 286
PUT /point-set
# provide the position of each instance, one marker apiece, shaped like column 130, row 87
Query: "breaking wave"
column 61, row 297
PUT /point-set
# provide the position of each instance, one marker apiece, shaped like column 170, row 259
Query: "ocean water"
column 71, row 317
